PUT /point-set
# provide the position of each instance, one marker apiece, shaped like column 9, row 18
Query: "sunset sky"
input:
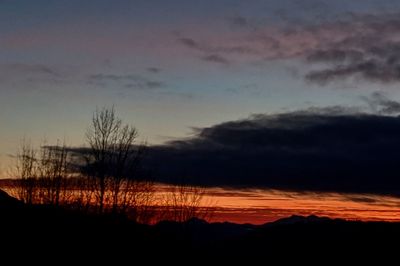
column 298, row 95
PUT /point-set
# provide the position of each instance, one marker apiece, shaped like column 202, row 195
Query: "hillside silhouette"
column 61, row 232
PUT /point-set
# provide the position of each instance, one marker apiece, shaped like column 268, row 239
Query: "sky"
column 295, row 94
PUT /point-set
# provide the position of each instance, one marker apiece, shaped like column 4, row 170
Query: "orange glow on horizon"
column 260, row 206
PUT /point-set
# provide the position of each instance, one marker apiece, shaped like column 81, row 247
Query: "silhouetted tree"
column 42, row 175
column 26, row 173
column 113, row 157
column 53, row 174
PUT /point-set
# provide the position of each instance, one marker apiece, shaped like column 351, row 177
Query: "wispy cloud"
column 154, row 70
column 21, row 70
column 381, row 104
column 216, row 58
column 365, row 46
column 358, row 45
column 129, row 81
column 218, row 53
column 190, row 43
column 233, row 48
column 238, row 21
column 29, row 77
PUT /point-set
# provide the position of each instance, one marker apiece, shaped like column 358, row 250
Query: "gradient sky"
column 171, row 66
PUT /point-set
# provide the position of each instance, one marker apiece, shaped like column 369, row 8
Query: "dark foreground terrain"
column 39, row 232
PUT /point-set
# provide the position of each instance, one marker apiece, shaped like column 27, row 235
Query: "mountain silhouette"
column 296, row 219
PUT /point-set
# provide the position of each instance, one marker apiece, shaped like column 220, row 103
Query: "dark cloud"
column 131, row 81
column 215, row 58
column 311, row 150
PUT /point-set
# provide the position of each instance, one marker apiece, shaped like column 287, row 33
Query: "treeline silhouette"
column 105, row 179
